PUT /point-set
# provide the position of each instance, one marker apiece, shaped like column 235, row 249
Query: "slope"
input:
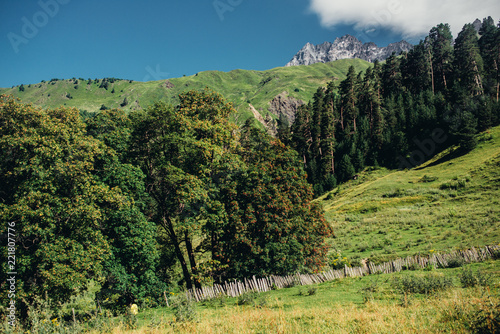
column 450, row 202
column 242, row 87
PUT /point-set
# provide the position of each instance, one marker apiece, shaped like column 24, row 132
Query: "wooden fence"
column 235, row 289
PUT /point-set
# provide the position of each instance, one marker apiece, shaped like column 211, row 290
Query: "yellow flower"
column 134, row 309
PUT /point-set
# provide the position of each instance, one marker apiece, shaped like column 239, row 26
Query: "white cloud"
column 412, row 18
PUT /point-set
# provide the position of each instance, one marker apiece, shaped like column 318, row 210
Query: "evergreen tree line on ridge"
column 400, row 113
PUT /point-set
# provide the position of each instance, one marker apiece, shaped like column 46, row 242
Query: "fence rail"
column 235, row 289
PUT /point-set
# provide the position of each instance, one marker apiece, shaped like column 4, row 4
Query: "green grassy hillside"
column 239, row 86
column 449, row 202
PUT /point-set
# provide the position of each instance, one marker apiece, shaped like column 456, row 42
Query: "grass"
column 242, row 87
column 371, row 304
column 429, row 301
column 386, row 214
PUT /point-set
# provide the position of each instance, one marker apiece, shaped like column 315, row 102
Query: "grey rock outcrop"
column 284, row 105
column 346, row 47
column 477, row 24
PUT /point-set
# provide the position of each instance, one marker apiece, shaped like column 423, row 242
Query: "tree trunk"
column 432, row 71
column 332, row 158
column 498, row 83
column 169, row 228
column 192, row 260
column 477, row 78
column 342, row 117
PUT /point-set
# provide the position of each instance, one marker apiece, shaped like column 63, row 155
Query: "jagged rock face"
column 346, row 47
column 285, row 105
column 477, row 24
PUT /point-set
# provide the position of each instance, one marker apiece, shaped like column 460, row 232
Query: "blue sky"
column 153, row 40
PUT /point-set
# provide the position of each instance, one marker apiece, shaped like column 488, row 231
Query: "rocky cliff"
column 346, row 47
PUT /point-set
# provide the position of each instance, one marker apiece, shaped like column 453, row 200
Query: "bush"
column 426, row 179
column 496, row 254
column 312, row 290
column 248, row 298
column 395, row 193
column 413, row 266
column 337, row 261
column 218, row 301
column 454, row 184
column 368, row 291
column 428, row 284
column 469, row 279
column 184, row 309
column 456, row 262
column 478, row 318
column 295, row 281
column 487, row 319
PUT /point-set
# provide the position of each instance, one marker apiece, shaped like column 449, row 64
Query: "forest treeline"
column 136, row 204
column 400, row 113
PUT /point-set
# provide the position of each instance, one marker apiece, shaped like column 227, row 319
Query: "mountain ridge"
column 346, row 47
column 272, row 92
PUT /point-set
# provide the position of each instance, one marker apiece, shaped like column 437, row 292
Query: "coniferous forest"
column 180, row 197
column 401, row 113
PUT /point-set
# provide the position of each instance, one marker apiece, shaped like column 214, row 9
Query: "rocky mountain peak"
column 344, row 47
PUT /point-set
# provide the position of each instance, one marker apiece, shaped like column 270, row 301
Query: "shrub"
column 468, row 278
column 454, row 184
column 426, row 178
column 422, row 284
column 312, row 290
column 215, row 302
column 496, row 254
column 184, row 309
column 248, row 298
column 295, row 281
column 395, row 193
column 363, row 247
column 337, row 261
column 487, row 319
column 368, row 291
column 456, row 262
column 412, row 267
column 478, row 318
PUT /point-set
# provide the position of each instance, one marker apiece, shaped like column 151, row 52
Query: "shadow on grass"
column 457, row 153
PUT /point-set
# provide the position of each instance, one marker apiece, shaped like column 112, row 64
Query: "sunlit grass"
column 240, row 87
column 370, row 304
column 441, row 206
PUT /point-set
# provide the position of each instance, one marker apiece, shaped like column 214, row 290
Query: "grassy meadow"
column 449, row 202
column 241, row 87
column 371, row 304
